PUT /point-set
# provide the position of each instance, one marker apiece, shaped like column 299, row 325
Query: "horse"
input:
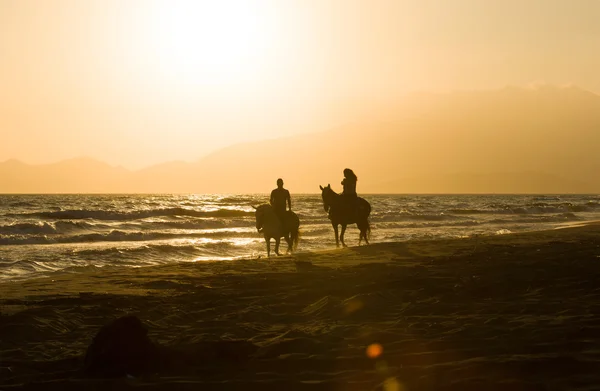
column 270, row 225
column 340, row 214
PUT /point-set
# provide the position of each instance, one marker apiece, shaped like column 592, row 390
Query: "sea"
column 45, row 234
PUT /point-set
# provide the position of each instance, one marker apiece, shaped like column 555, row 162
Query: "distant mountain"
column 513, row 140
column 477, row 183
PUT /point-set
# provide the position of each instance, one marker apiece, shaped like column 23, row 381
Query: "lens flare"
column 391, row 384
column 374, row 350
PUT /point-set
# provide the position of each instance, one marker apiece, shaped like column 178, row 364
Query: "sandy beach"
column 510, row 312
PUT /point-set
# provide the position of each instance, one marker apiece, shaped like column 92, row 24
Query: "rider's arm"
column 271, row 199
column 289, row 200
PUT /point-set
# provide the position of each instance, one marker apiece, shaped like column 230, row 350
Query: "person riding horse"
column 349, row 195
column 279, row 198
column 347, row 208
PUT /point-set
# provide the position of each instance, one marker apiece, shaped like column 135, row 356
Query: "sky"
column 139, row 82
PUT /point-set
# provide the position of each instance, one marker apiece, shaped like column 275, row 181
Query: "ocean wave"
column 118, row 236
column 542, row 208
column 467, row 211
column 538, row 219
column 98, row 259
column 534, row 208
column 546, row 198
column 154, row 253
column 401, row 225
column 45, row 228
column 27, row 228
column 23, row 268
column 316, row 231
column 79, row 214
column 68, row 226
column 406, row 215
column 82, row 269
column 195, row 224
column 28, row 266
column 21, row 204
column 127, row 253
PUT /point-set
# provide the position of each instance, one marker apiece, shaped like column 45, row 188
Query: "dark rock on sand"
column 121, row 348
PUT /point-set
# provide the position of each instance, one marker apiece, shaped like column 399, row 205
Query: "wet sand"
column 510, row 312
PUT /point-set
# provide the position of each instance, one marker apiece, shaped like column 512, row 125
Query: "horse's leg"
column 363, row 227
column 288, row 239
column 268, row 240
column 277, row 240
column 335, row 229
column 360, row 235
column 364, row 231
column 342, row 235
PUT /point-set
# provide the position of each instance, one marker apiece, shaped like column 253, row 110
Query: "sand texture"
column 508, row 312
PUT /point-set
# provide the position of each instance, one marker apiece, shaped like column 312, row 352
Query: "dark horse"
column 340, row 214
column 269, row 224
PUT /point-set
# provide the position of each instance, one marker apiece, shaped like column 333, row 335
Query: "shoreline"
column 301, row 255
column 519, row 309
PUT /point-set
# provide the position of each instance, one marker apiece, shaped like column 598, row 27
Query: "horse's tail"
column 368, row 223
column 295, row 231
column 365, row 227
column 295, row 238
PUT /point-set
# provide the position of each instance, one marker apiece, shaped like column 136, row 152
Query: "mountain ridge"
column 532, row 140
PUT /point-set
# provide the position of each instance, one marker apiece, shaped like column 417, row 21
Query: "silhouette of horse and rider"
column 276, row 222
column 347, row 208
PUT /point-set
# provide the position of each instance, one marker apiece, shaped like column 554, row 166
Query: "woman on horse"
column 349, row 184
column 349, row 196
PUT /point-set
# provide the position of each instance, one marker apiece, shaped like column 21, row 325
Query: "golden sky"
column 137, row 82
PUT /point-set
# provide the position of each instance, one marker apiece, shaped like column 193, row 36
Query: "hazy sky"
column 136, row 82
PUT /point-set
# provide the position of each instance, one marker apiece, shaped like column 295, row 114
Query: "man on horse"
column 279, row 198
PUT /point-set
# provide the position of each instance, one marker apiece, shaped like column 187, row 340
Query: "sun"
column 210, row 42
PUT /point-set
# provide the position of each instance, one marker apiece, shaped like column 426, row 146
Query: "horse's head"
column 260, row 213
column 327, row 195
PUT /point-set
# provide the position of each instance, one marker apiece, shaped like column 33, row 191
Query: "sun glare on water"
column 211, row 42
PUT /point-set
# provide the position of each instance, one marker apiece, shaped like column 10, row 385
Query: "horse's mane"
column 264, row 207
column 265, row 210
column 331, row 190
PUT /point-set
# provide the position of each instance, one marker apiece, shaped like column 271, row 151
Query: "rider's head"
column 348, row 173
column 279, row 182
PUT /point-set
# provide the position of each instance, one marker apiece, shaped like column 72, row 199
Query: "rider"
column 349, row 194
column 279, row 198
